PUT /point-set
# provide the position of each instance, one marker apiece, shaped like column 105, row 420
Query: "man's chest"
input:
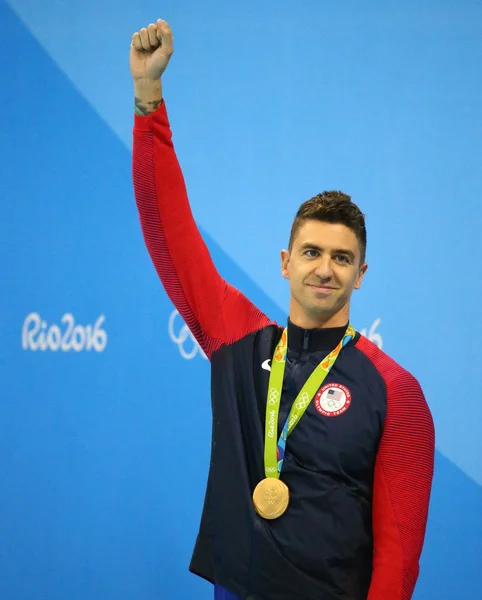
column 342, row 421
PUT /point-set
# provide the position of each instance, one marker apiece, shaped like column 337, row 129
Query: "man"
column 323, row 447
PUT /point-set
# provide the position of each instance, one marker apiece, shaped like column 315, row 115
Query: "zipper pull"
column 306, row 339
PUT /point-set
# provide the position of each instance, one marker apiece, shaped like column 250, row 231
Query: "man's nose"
column 323, row 268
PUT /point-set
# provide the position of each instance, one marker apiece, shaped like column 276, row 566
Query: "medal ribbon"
column 274, row 452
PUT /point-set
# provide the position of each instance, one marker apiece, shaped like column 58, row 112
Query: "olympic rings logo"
column 183, row 338
column 273, row 396
column 303, row 401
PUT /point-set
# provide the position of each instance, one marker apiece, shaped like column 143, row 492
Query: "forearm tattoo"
column 143, row 107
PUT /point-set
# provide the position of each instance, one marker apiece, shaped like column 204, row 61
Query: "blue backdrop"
column 104, row 402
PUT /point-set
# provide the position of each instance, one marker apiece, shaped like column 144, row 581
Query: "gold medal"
column 271, row 498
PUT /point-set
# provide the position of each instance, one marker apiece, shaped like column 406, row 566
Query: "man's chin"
column 322, row 312
column 325, row 304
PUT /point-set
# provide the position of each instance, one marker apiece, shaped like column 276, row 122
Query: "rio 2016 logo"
column 38, row 335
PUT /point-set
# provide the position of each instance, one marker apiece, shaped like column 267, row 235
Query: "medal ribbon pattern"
column 274, row 452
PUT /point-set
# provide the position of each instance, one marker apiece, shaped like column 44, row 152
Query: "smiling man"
column 323, row 277
column 323, row 446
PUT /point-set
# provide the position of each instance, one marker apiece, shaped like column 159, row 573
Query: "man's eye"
column 311, row 253
column 342, row 258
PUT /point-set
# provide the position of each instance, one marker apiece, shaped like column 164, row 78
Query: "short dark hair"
column 332, row 207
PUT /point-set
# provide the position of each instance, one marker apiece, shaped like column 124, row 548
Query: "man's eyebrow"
column 311, row 246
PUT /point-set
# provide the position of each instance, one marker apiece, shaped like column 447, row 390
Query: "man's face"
column 323, row 268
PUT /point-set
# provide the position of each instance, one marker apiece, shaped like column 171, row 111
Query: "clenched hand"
column 151, row 50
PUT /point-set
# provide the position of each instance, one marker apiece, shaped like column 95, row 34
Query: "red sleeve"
column 403, row 481
column 215, row 312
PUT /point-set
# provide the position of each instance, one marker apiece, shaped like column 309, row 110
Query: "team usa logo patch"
column 333, row 399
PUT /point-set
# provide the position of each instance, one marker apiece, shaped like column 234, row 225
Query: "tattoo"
column 144, row 108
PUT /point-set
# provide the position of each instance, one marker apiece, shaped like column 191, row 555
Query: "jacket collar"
column 311, row 340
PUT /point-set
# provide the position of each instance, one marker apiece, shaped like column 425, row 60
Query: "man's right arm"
column 215, row 312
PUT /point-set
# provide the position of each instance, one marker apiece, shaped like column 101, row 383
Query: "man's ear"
column 285, row 263
column 361, row 273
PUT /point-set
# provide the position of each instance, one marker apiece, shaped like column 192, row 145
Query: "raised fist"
column 151, row 50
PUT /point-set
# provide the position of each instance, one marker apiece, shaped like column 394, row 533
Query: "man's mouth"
column 321, row 288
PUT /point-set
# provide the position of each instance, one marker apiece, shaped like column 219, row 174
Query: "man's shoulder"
column 391, row 371
column 405, row 397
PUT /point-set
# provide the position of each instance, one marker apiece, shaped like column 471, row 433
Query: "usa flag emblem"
column 333, row 399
